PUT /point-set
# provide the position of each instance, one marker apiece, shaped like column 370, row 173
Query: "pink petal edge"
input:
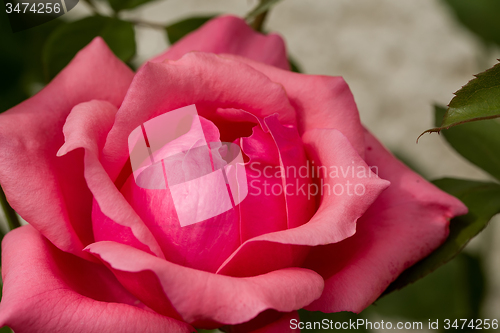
column 203, row 298
column 320, row 101
column 46, row 290
column 405, row 224
column 87, row 127
column 334, row 221
column 230, row 34
column 47, row 191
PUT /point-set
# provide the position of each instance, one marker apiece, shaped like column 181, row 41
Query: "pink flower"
column 102, row 254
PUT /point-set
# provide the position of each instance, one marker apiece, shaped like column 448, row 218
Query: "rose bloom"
column 101, row 254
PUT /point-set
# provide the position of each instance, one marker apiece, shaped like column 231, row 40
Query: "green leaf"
column 482, row 17
column 65, row 42
column 478, row 142
column 455, row 290
column 180, row 29
column 294, row 66
column 119, row 5
column 477, row 100
column 483, row 201
column 10, row 213
column 22, row 52
column 261, row 8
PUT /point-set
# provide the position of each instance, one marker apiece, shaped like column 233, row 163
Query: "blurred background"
column 398, row 56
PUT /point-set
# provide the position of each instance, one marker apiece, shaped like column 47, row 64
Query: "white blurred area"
column 398, row 56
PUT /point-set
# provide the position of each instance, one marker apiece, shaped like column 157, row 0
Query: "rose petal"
column 86, row 127
column 274, row 203
column 292, row 156
column 267, row 322
column 230, row 34
column 47, row 191
column 203, row 79
column 321, row 101
column 405, row 224
column 203, row 245
column 335, row 219
column 47, row 290
column 234, row 124
column 206, row 298
column 261, row 213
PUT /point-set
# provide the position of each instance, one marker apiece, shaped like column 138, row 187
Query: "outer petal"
column 320, row 101
column 335, row 219
column 206, row 299
column 86, row 127
column 203, row 79
column 230, row 34
column 405, row 224
column 50, row 192
column 47, row 290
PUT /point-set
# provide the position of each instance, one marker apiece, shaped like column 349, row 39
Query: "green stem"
column 148, row 24
column 10, row 213
column 92, row 6
column 258, row 22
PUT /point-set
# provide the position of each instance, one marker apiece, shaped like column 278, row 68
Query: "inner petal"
column 188, row 206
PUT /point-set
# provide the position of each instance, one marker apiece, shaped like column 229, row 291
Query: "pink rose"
column 102, row 254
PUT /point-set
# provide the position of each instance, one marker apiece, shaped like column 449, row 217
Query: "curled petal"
column 335, row 219
column 292, row 157
column 50, row 291
column 206, row 80
column 87, row 127
column 261, row 213
column 49, row 191
column 405, row 224
column 202, row 298
column 320, row 101
column 277, row 156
